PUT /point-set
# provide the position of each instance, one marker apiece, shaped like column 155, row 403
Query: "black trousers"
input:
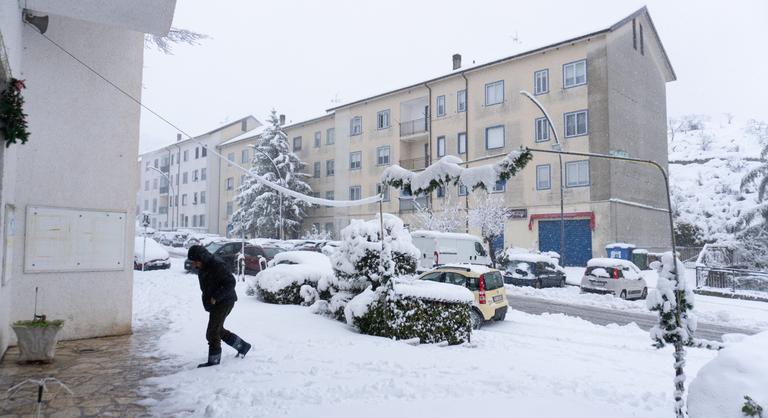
column 216, row 331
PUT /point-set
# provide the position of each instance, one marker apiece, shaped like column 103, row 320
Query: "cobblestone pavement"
column 105, row 375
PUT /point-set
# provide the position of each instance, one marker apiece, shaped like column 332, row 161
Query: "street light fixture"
column 556, row 147
column 282, row 180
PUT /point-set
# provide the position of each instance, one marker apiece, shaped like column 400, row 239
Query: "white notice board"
column 59, row 239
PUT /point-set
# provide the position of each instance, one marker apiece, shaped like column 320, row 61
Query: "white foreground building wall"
column 81, row 154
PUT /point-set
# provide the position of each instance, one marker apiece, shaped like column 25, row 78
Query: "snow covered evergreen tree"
column 489, row 216
column 753, row 223
column 258, row 213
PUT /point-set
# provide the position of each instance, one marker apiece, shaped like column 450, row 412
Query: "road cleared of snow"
column 307, row 365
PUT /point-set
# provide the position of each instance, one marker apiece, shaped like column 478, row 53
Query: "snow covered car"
column 151, row 256
column 290, row 269
column 164, row 238
column 486, row 284
column 536, row 270
column 200, row 239
column 614, row 276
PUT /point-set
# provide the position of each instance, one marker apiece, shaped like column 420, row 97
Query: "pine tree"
column 752, row 225
column 258, row 213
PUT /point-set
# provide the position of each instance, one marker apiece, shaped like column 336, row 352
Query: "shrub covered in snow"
column 291, row 278
column 432, row 312
column 722, row 385
column 361, row 261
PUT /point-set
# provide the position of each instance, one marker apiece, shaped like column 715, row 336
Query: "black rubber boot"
column 241, row 346
column 213, row 360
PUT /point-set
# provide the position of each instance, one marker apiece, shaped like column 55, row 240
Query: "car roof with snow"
column 470, row 268
column 531, row 258
column 611, row 263
column 302, row 257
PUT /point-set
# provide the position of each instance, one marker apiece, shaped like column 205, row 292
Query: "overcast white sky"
column 300, row 56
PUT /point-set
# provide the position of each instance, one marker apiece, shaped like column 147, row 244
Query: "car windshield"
column 213, row 247
column 604, row 272
column 271, row 251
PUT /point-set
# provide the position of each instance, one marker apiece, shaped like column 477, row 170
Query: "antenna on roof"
column 336, row 100
column 515, row 38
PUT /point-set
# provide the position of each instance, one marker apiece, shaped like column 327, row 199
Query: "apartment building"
column 179, row 183
column 606, row 94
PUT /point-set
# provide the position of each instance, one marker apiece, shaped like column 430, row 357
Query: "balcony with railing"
column 162, row 210
column 410, row 204
column 165, row 168
column 414, row 163
column 413, row 129
column 163, row 189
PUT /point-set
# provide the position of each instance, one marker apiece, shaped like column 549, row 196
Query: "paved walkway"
column 105, row 375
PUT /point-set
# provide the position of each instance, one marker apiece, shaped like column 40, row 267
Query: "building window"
column 146, row 186
column 329, row 229
column 297, row 143
column 642, row 42
column 330, row 168
column 184, row 200
column 355, row 160
column 230, row 183
column 356, row 125
column 230, row 208
column 244, row 156
column 146, row 166
column 384, row 192
column 156, row 163
column 440, row 146
column 463, row 190
column 316, row 173
column 242, row 179
column 461, row 101
column 186, row 155
column 205, row 151
column 499, row 186
column 634, row 34
column 382, row 119
column 202, row 198
column 230, row 159
column 355, row 193
column 329, row 195
column 201, row 220
column 542, row 130
column 575, row 74
column 440, row 106
column 172, row 159
column 576, row 124
column 440, row 191
column 543, row 177
column 197, row 152
column 494, row 137
column 194, row 198
column 330, row 136
column 146, row 205
column 184, row 177
column 203, row 172
column 462, row 142
column 577, row 173
column 194, row 175
column 541, row 82
column 318, row 139
column 194, row 221
column 494, row 93
column 154, row 184
column 382, row 155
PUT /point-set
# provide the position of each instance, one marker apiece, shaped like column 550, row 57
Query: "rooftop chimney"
column 178, row 137
column 282, row 120
column 456, row 61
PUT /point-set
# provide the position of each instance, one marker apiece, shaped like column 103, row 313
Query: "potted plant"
column 37, row 338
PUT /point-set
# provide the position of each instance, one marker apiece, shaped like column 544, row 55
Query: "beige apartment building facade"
column 605, row 92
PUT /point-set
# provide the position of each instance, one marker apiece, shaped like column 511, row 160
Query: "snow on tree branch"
column 450, row 219
column 175, row 36
column 448, row 170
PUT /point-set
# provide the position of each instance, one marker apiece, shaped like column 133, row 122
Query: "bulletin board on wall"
column 68, row 240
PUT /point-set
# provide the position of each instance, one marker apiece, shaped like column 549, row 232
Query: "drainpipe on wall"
column 466, row 137
column 428, row 117
column 178, row 185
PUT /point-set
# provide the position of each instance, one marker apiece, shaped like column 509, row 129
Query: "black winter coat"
column 216, row 282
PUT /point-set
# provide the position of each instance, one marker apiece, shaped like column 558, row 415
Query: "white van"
column 448, row 248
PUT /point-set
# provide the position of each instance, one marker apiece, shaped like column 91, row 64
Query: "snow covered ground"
column 306, row 365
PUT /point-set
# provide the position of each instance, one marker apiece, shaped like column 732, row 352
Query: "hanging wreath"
column 13, row 120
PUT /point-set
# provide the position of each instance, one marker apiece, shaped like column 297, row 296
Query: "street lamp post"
column 282, row 180
column 557, row 147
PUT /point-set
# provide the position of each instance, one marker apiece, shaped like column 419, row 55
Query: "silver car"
column 614, row 276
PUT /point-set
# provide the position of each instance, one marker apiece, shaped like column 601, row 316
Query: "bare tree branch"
column 174, row 36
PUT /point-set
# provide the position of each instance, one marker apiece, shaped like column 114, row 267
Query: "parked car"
column 536, row 270
column 291, row 267
column 200, row 239
column 485, row 283
column 164, row 238
column 257, row 257
column 226, row 250
column 614, row 276
column 179, row 238
column 150, row 255
column 447, row 247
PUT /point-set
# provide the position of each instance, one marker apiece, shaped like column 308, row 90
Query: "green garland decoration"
column 13, row 120
column 400, row 178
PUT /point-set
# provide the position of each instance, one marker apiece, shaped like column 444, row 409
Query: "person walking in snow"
column 219, row 297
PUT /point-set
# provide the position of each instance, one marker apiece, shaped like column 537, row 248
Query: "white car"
column 150, row 255
column 438, row 248
column 614, row 276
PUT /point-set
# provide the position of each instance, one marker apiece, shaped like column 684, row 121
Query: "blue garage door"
column 578, row 240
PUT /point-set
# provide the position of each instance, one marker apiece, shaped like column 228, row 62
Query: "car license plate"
column 498, row 298
column 597, row 283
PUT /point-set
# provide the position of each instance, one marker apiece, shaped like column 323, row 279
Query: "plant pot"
column 37, row 343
